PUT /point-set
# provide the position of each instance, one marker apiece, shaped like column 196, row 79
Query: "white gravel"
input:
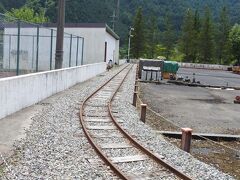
column 56, row 147
column 182, row 160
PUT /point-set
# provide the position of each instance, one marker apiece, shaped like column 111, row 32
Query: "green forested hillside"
column 101, row 10
column 167, row 17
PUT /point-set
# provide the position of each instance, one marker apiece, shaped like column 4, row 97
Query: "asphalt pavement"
column 211, row 77
column 206, row 110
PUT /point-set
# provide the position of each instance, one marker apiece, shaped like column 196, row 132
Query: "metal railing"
column 27, row 48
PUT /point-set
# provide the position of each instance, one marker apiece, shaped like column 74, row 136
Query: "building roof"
column 87, row 25
column 67, row 25
column 78, row 25
column 110, row 31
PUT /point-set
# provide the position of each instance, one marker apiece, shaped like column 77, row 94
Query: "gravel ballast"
column 144, row 134
column 56, row 148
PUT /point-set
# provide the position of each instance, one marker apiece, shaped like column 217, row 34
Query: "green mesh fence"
column 27, row 48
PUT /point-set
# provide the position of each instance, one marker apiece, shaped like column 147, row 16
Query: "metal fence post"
column 18, row 46
column 33, row 44
column 70, row 53
column 9, row 52
column 37, row 48
column 51, row 49
column 77, row 51
column 82, row 50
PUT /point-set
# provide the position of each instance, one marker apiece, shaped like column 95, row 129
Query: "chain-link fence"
column 27, row 48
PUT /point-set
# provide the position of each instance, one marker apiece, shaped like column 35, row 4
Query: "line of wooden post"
column 135, row 90
column 186, row 132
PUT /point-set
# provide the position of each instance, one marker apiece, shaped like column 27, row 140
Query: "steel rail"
column 142, row 148
column 116, row 170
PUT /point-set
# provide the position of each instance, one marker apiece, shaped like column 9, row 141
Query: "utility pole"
column 118, row 9
column 115, row 16
column 113, row 20
column 129, row 42
column 60, row 34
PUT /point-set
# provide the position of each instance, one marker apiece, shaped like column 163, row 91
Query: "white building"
column 100, row 42
column 91, row 43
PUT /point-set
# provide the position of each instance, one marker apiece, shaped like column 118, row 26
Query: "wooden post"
column 135, row 99
column 136, row 82
column 143, row 112
column 186, row 139
column 136, row 88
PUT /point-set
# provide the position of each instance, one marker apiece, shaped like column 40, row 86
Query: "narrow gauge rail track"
column 108, row 138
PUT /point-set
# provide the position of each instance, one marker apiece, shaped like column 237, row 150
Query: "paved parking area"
column 206, row 110
column 212, row 77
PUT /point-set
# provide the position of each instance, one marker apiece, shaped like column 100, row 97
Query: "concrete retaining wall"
column 203, row 66
column 19, row 92
column 122, row 61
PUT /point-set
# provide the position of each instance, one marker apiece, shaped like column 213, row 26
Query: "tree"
column 152, row 36
column 2, row 9
column 187, row 38
column 222, row 45
column 138, row 39
column 49, row 7
column 207, row 38
column 37, row 5
column 27, row 14
column 196, row 36
column 9, row 4
column 168, row 40
column 234, row 38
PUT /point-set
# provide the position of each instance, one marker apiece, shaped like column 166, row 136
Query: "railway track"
column 125, row 156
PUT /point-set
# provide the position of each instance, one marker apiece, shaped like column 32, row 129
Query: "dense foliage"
column 27, row 14
column 199, row 36
column 138, row 39
column 234, row 38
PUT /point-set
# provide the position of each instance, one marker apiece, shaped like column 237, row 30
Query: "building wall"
column 122, row 61
column 93, row 43
column 19, row 92
column 93, row 52
column 112, row 48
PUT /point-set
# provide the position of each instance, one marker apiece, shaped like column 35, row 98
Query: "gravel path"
column 56, row 147
column 182, row 160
